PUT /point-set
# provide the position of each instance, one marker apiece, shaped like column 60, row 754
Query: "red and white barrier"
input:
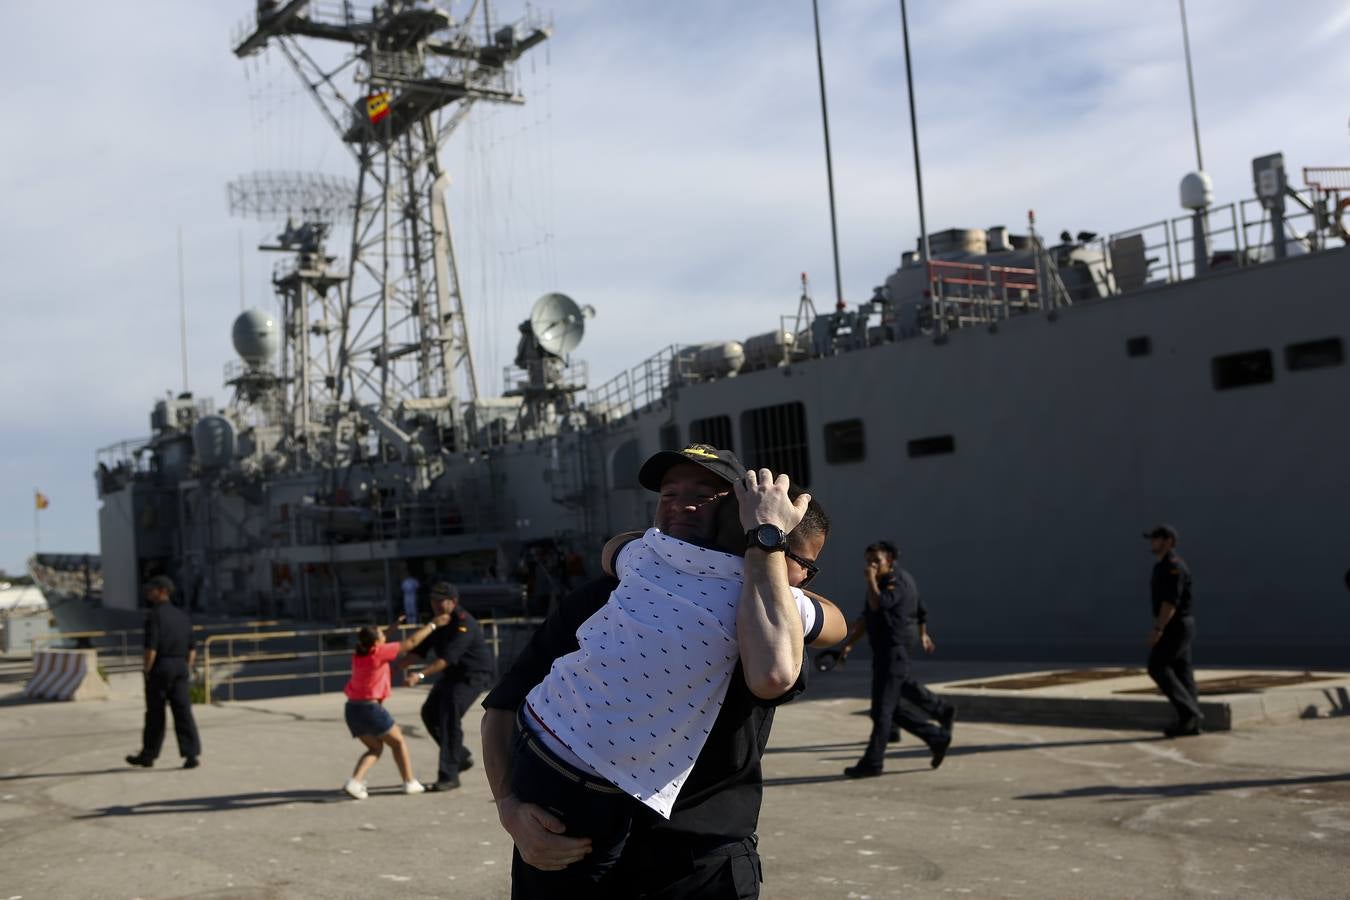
column 66, row 675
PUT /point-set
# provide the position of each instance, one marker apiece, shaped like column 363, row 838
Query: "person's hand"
column 928, row 645
column 538, row 835
column 1153, row 636
column 401, row 619
column 441, row 621
column 410, row 678
column 763, row 500
column 870, row 570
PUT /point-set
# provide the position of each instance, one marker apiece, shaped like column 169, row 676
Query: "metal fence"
column 292, row 656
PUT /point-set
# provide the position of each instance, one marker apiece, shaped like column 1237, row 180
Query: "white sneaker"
column 413, row 787
column 355, row 789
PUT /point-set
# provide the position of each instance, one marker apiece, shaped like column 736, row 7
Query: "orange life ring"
column 1340, row 219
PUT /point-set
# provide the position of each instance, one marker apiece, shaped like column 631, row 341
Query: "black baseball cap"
column 444, row 589
column 1161, row 531
column 722, row 463
column 160, row 583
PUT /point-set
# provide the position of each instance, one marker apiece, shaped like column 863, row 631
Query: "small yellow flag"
column 377, row 106
column 40, row 500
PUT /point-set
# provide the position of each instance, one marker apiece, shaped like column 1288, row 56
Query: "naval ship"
column 1011, row 410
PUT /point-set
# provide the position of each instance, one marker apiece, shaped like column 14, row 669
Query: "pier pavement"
column 1029, row 810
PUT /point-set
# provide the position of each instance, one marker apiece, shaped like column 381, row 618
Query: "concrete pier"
column 1028, row 809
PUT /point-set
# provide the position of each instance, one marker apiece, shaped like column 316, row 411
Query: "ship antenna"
column 918, row 169
column 829, row 165
column 1190, row 84
column 182, row 310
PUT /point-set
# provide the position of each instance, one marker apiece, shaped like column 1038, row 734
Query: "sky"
column 667, row 168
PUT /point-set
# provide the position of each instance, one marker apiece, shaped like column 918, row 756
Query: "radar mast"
column 406, row 74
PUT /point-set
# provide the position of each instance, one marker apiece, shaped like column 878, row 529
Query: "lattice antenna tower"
column 408, row 74
column 307, row 283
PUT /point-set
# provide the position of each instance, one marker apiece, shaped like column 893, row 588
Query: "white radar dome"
column 255, row 337
column 1197, row 191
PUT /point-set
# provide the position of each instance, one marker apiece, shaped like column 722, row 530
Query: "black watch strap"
column 769, row 538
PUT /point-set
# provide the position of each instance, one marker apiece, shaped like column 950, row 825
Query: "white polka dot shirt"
column 636, row 701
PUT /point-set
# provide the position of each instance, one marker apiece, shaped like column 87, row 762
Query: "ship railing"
column 124, row 647
column 1236, row 235
column 641, row 386
column 973, row 293
column 128, row 454
column 308, row 654
column 354, row 523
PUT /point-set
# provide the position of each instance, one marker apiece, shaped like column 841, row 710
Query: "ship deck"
column 1018, row 810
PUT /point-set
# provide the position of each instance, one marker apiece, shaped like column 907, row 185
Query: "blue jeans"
column 589, row 806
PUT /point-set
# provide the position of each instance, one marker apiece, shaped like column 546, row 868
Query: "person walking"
column 895, row 621
column 1169, row 655
column 367, row 719
column 169, row 654
column 464, row 662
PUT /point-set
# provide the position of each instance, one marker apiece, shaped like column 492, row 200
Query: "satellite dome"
column 255, row 337
column 1197, row 191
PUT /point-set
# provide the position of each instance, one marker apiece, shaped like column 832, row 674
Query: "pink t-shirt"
column 370, row 673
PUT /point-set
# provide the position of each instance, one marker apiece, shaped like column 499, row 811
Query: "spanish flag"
column 377, row 106
column 40, row 500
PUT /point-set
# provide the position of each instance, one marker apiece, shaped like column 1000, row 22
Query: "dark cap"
column 722, row 463
column 1161, row 531
column 444, row 589
column 160, row 583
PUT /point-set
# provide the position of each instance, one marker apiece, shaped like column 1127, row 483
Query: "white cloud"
column 669, row 158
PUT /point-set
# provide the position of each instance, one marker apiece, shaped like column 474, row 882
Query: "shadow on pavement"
column 826, row 779
column 30, row 775
column 1118, row 792
column 221, row 803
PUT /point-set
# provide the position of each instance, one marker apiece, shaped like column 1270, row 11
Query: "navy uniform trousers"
column 168, row 682
column 1169, row 665
column 900, row 699
column 443, row 714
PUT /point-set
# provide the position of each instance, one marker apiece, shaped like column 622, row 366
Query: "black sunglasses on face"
column 812, row 570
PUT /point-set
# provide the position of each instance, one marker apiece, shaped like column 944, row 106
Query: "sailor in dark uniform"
column 169, row 654
column 895, row 622
column 465, row 664
column 1169, row 658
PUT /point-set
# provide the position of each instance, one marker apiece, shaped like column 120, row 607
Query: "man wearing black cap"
column 707, row 846
column 1169, row 657
column 169, row 654
column 465, row 664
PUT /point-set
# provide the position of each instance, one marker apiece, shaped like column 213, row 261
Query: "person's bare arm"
column 148, row 662
column 422, row 633
column 537, row 833
column 855, row 634
column 834, row 627
column 768, row 624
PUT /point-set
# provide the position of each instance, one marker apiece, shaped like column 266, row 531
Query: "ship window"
column 775, row 438
column 1314, row 354
column 670, row 437
column 1242, row 369
column 1139, row 346
column 715, row 430
column 844, row 441
column 932, row 446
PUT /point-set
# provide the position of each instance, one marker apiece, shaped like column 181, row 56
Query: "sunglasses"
column 812, row 570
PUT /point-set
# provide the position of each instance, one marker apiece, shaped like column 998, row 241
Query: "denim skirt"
column 368, row 717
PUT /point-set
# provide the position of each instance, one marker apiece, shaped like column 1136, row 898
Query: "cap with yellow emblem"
column 722, row 463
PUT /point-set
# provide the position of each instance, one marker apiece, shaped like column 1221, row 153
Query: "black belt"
column 376, row 702
column 594, row 782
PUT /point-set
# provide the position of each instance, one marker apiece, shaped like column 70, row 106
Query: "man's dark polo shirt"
column 461, row 644
column 894, row 624
column 168, row 632
column 1171, row 583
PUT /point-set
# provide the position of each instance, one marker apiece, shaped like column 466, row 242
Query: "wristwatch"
column 769, row 538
